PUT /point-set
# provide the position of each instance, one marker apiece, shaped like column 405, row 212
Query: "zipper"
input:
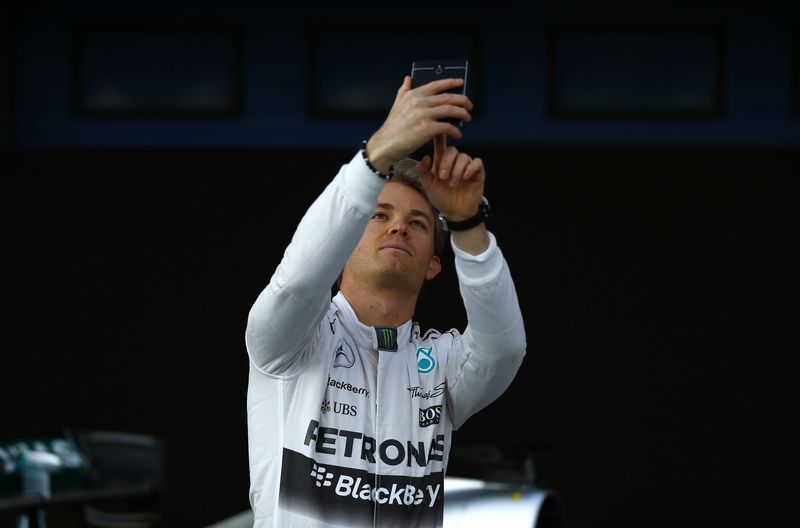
column 376, row 483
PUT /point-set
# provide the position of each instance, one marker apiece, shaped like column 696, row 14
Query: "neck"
column 380, row 308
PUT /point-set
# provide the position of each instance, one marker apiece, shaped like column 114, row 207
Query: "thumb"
column 406, row 86
column 424, row 170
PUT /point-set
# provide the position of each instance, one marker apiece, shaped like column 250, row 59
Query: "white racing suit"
column 348, row 424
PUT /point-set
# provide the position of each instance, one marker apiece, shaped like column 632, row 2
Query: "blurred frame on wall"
column 636, row 71
column 157, row 71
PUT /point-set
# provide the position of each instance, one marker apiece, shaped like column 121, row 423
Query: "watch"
column 462, row 225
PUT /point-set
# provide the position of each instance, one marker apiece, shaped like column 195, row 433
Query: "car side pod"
column 473, row 503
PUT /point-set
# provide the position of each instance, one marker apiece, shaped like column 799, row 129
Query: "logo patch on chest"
column 425, row 360
column 344, row 356
column 430, row 416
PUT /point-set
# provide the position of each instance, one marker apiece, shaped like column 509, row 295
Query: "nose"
column 398, row 227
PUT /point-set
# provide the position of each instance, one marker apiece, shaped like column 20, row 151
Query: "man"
column 350, row 409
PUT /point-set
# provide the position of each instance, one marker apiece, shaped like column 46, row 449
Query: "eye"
column 419, row 223
column 379, row 216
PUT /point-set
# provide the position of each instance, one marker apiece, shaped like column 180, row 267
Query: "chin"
column 394, row 278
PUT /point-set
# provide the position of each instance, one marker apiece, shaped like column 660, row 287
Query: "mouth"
column 397, row 247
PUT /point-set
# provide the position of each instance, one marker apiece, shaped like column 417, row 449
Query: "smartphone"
column 423, row 72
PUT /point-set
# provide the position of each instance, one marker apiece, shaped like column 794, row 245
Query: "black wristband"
column 370, row 166
column 469, row 223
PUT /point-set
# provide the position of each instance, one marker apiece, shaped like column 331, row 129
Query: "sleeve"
column 485, row 358
column 282, row 321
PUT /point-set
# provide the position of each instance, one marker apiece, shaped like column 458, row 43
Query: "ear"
column 434, row 268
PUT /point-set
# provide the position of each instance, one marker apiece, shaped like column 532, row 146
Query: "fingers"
column 421, row 114
column 435, row 109
column 439, row 147
column 441, row 85
column 411, row 122
column 446, row 162
column 439, row 144
column 474, row 169
column 443, row 128
column 454, row 167
column 461, row 163
column 449, row 99
column 426, row 172
column 442, row 105
column 449, row 111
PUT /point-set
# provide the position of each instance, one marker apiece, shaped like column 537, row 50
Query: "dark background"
column 655, row 259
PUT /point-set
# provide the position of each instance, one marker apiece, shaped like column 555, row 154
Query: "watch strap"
column 467, row 223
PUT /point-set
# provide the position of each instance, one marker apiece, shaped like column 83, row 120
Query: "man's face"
column 396, row 249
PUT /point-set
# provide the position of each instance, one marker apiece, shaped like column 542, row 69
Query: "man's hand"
column 453, row 180
column 414, row 119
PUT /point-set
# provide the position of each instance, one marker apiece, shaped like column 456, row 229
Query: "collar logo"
column 425, row 360
column 344, row 356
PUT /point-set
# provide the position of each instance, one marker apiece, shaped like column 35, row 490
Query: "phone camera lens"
column 438, row 69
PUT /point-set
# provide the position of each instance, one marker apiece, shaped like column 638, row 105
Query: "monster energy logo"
column 387, row 338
